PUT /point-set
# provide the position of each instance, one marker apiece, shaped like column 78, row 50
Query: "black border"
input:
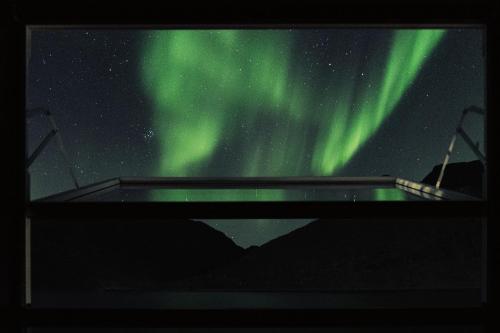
column 249, row 210
column 18, row 15
column 250, row 318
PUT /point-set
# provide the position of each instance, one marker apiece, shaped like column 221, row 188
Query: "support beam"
column 467, row 139
column 446, row 159
column 63, row 151
column 55, row 132
column 475, row 109
column 471, row 145
column 40, row 148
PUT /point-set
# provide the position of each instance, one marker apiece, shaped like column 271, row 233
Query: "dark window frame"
column 253, row 317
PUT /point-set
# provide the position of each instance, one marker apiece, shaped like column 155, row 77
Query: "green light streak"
column 214, row 88
column 349, row 130
column 197, row 80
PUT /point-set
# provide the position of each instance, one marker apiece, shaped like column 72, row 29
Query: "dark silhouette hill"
column 464, row 177
column 68, row 255
column 352, row 254
column 345, row 254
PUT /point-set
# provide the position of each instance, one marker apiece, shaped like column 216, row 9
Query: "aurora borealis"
column 348, row 128
column 289, row 102
column 209, row 85
column 198, row 82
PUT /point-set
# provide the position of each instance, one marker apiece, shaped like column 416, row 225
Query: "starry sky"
column 289, row 102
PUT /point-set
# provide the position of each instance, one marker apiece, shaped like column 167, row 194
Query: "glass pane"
column 260, row 102
column 228, row 195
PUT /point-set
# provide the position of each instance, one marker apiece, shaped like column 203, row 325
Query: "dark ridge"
column 251, row 249
column 101, row 255
column 464, row 177
column 352, row 254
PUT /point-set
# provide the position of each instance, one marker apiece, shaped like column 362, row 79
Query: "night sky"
column 343, row 102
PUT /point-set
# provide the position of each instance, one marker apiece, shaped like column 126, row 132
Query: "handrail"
column 53, row 133
column 460, row 131
column 253, row 182
column 415, row 188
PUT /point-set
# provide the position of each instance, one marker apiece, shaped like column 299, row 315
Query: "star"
column 148, row 135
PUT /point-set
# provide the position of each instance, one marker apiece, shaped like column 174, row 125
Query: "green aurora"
column 389, row 194
column 208, row 87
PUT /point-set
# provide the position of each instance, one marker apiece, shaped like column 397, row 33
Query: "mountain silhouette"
column 350, row 254
column 111, row 254
column 464, row 177
column 344, row 254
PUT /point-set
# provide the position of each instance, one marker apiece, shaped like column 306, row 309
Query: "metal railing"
column 460, row 131
column 46, row 140
column 133, row 183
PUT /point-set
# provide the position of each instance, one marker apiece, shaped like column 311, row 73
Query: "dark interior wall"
column 4, row 223
column 12, row 155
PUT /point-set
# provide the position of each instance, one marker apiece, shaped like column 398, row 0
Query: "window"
column 329, row 102
column 211, row 169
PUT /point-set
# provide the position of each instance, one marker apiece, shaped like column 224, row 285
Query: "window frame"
column 251, row 317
